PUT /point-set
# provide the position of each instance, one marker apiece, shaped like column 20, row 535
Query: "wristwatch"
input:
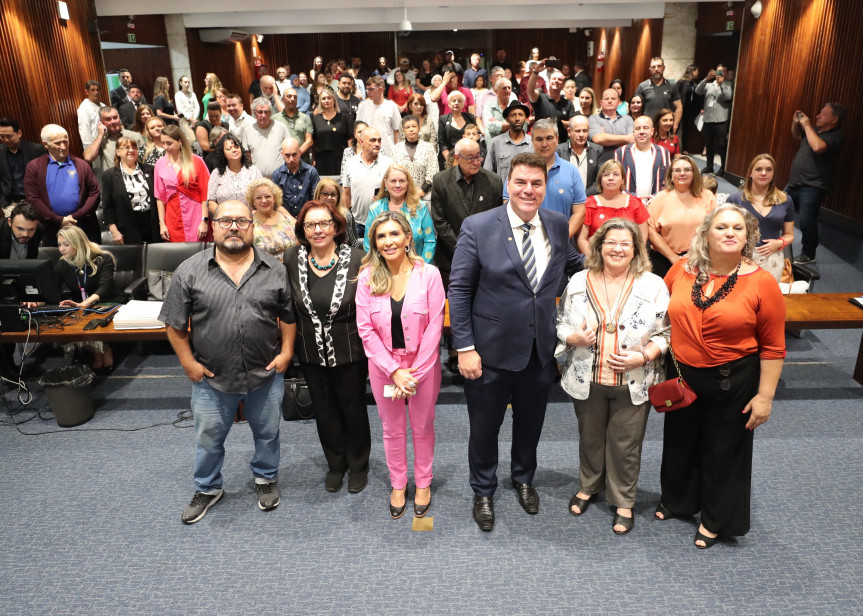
column 205, row 219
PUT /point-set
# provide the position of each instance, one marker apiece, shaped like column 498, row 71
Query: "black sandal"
column 627, row 523
column 708, row 541
column 581, row 503
column 665, row 513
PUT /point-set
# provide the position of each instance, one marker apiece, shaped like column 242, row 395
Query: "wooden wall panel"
column 792, row 58
column 145, row 65
column 148, row 30
column 627, row 53
column 232, row 62
column 37, row 48
column 299, row 50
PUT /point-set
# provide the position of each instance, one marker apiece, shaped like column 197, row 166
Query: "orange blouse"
column 750, row 319
column 675, row 222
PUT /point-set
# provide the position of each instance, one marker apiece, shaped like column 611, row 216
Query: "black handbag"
column 297, row 403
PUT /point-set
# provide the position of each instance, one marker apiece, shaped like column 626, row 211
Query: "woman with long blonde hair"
column 88, row 272
column 400, row 309
column 181, row 185
column 162, row 101
column 399, row 193
column 772, row 208
column 211, row 85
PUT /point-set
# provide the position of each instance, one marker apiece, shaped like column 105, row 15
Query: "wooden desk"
column 76, row 332
column 826, row 311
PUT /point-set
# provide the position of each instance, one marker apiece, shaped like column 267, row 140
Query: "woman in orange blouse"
column 676, row 212
column 728, row 336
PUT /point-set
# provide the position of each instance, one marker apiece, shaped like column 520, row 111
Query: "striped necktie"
column 527, row 256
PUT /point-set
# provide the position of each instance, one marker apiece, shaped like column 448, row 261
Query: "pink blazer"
column 422, row 321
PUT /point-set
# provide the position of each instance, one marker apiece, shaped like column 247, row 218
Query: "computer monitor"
column 28, row 280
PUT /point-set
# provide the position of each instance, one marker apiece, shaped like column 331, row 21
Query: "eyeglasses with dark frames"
column 227, row 223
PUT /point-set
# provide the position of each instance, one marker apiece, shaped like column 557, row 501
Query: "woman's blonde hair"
column 698, row 260
column 594, row 105
column 640, row 261
column 162, row 88
column 606, row 167
column 330, row 183
column 215, row 83
column 774, row 196
column 148, row 139
column 85, row 250
column 187, row 167
column 274, row 188
column 697, row 186
column 381, row 280
column 412, row 195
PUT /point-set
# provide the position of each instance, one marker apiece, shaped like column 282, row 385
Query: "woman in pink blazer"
column 400, row 309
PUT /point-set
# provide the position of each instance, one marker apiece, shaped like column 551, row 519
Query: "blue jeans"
column 214, row 413
column 807, row 202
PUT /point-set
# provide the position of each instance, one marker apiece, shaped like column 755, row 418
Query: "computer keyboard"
column 51, row 308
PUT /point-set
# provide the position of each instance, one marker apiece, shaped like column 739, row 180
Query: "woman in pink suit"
column 400, row 309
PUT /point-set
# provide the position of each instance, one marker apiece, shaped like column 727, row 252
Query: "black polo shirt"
column 562, row 110
column 657, row 97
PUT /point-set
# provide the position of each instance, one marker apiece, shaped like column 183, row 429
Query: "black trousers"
column 339, row 397
column 707, row 450
column 715, row 137
column 487, row 398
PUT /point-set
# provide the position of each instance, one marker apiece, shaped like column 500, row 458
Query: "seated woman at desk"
column 88, row 272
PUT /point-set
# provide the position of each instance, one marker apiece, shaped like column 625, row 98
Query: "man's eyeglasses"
column 325, row 225
column 471, row 159
column 227, row 223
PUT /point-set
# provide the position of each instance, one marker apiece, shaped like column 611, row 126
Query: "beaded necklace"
column 706, row 302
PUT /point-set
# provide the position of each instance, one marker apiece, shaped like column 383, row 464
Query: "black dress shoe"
column 334, row 481
column 483, row 513
column 527, row 497
column 421, row 510
column 357, row 482
column 397, row 512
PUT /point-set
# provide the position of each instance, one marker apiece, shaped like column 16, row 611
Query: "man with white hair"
column 295, row 177
column 264, row 138
column 268, row 91
column 381, row 114
column 62, row 187
column 432, row 107
column 582, row 153
column 552, row 105
column 492, row 113
column 482, row 101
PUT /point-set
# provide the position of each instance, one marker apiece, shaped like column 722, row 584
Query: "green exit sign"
column 729, row 26
column 131, row 36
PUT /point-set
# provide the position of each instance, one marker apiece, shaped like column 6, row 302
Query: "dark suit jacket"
column 491, row 303
column 347, row 345
column 30, row 151
column 6, row 240
column 88, row 199
column 449, row 208
column 117, row 207
column 127, row 114
column 582, row 80
column 118, row 96
column 593, row 164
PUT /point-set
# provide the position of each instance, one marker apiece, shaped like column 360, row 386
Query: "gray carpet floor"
column 91, row 516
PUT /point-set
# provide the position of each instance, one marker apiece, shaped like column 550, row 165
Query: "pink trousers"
column 421, row 408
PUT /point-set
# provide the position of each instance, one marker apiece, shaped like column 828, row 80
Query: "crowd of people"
column 349, row 206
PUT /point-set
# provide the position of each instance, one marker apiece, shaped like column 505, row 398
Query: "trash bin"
column 69, row 394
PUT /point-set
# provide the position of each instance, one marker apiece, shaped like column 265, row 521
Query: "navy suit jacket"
column 492, row 306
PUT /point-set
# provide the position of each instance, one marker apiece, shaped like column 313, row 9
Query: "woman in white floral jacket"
column 611, row 325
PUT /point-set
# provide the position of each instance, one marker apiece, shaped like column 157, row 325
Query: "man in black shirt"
column 553, row 104
column 345, row 97
column 15, row 153
column 813, row 170
column 658, row 93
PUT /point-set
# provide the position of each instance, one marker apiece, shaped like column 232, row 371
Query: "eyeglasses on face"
column 325, row 225
column 329, row 195
column 471, row 159
column 682, row 170
column 613, row 244
column 227, row 223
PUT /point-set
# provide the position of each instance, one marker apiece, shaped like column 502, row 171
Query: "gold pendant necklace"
column 611, row 325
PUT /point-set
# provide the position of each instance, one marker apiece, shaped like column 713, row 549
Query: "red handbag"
column 672, row 394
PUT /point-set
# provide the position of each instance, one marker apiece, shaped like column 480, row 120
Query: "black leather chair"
column 49, row 252
column 161, row 258
column 128, row 263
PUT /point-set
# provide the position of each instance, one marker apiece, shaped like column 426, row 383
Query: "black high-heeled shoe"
column 421, row 510
column 397, row 512
column 708, row 541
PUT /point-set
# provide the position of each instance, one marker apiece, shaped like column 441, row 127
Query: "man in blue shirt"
column 62, row 188
column 296, row 178
column 565, row 188
column 470, row 75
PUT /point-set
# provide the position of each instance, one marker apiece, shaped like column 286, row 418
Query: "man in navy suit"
column 506, row 270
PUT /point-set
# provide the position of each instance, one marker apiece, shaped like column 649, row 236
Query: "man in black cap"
column 505, row 146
